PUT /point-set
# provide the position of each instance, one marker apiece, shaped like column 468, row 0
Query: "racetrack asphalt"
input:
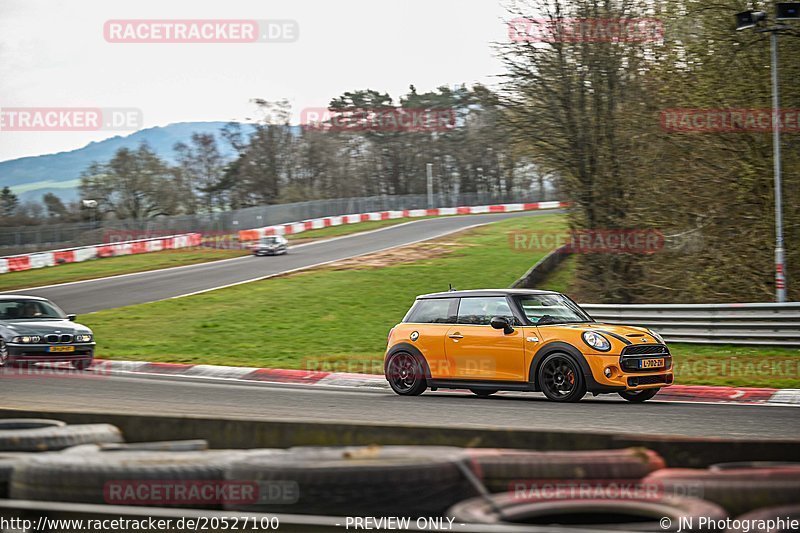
column 168, row 395
column 129, row 289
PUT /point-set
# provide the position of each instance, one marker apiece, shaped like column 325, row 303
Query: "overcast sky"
column 53, row 54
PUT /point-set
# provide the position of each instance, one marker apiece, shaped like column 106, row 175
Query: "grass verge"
column 337, row 317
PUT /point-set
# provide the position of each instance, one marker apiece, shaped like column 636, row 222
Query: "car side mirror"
column 501, row 322
column 72, row 317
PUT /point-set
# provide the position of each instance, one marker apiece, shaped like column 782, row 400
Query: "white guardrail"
column 769, row 324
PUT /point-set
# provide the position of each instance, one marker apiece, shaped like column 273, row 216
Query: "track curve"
column 129, row 289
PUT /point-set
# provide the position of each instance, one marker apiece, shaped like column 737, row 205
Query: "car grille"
column 58, row 339
column 649, row 380
column 645, row 349
column 631, row 355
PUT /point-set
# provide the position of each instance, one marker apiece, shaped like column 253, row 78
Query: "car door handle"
column 456, row 336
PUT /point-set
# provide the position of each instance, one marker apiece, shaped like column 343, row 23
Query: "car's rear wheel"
column 560, row 379
column 483, row 393
column 639, row 396
column 405, row 374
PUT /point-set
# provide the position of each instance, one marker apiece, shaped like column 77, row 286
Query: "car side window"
column 434, row 311
column 479, row 311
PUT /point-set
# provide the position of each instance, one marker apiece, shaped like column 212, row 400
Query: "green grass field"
column 334, row 319
column 325, row 313
column 112, row 266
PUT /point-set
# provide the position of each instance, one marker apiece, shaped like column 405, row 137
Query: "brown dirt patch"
column 396, row 256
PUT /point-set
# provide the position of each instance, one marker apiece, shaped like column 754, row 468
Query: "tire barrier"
column 7, row 462
column 780, row 518
column 160, row 446
column 158, row 479
column 368, row 481
column 29, row 423
column 500, row 469
column 754, row 464
column 738, row 490
column 627, row 514
column 40, row 436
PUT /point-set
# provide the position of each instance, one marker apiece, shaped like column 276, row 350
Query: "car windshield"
column 542, row 309
column 270, row 240
column 29, row 310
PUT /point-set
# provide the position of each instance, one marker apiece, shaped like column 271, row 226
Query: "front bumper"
column 33, row 353
column 625, row 376
column 265, row 251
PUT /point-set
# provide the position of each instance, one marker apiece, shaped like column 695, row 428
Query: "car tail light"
column 389, row 337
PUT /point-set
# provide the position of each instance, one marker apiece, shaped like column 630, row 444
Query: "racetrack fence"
column 755, row 324
column 29, row 239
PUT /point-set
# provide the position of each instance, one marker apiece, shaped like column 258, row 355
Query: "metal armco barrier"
column 762, row 324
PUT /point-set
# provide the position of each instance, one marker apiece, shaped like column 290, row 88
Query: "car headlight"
column 596, row 341
column 83, row 338
column 27, row 339
column 656, row 336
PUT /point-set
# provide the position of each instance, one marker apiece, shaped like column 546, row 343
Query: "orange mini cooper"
column 521, row 340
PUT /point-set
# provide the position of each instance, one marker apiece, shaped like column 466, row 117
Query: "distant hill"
column 32, row 177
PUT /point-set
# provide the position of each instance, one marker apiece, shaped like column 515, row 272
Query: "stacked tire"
column 739, row 488
column 411, row 481
column 504, row 470
column 21, row 438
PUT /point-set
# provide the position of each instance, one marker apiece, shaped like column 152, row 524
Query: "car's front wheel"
column 81, row 364
column 405, row 374
column 639, row 396
column 560, row 378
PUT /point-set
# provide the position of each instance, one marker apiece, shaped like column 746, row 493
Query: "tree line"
column 596, row 112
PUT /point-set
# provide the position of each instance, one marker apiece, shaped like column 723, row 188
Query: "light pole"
column 429, row 168
column 751, row 19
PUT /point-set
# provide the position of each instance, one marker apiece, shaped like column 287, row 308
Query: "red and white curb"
column 325, row 222
column 682, row 393
column 18, row 263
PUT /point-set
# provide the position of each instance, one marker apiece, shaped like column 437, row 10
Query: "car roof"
column 483, row 292
column 21, row 297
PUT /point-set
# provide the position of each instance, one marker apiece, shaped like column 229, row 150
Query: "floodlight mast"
column 751, row 19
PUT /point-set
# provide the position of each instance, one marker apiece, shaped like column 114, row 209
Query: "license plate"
column 651, row 363
column 62, row 349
